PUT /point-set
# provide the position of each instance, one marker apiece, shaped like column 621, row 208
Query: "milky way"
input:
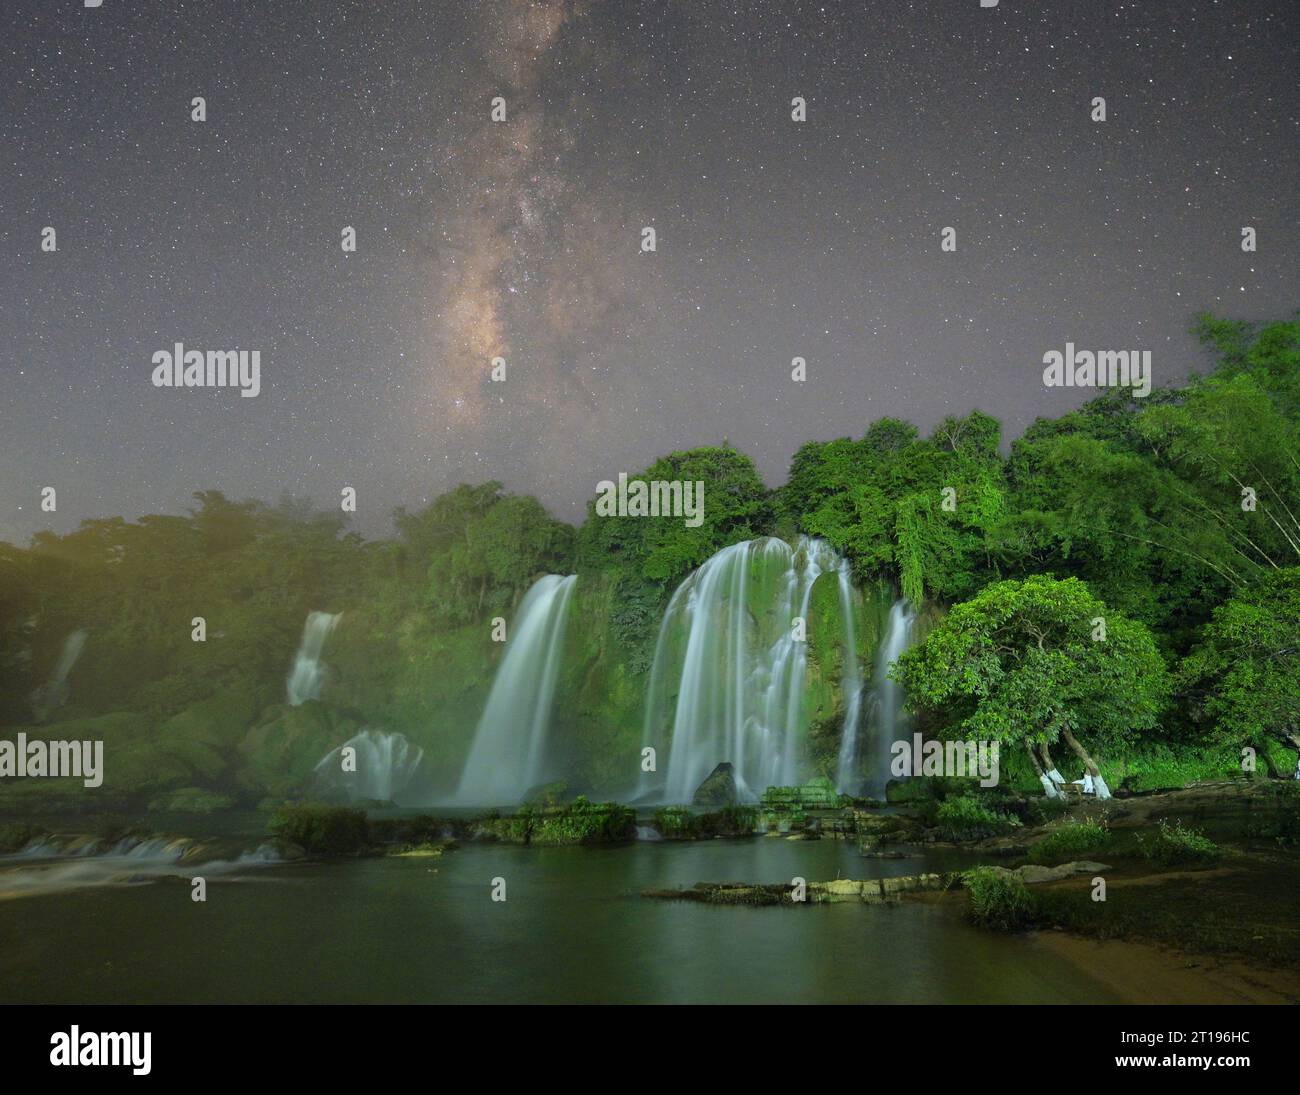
column 521, row 239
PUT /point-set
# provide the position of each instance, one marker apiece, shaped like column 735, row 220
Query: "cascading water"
column 846, row 770
column 742, row 670
column 385, row 764
column 54, row 693
column 308, row 672
column 887, row 721
column 507, row 757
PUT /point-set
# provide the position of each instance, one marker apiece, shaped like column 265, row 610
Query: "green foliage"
column 1158, row 766
column 999, row 900
column 1018, row 663
column 880, row 501
column 321, row 830
column 1176, row 844
column 482, row 548
column 637, row 606
column 1073, row 839
column 736, row 507
column 1246, row 669
column 584, row 822
column 965, row 817
column 1139, row 500
column 681, row 823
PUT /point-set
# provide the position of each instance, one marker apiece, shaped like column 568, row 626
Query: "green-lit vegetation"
column 999, row 900
column 965, row 817
column 1171, row 844
column 322, row 830
column 680, row 823
column 1071, row 841
column 1101, row 594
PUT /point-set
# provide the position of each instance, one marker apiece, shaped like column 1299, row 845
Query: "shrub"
column 729, row 821
column 1072, row 839
column 680, row 823
column 999, row 900
column 1171, row 844
column 321, row 830
column 966, row 818
column 675, row 823
column 1157, row 766
column 584, row 822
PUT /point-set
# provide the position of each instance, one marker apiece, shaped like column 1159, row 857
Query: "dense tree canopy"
column 1179, row 513
column 898, row 505
column 1246, row 670
column 1030, row 662
column 735, row 507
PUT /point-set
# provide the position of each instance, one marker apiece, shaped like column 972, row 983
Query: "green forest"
column 1122, row 583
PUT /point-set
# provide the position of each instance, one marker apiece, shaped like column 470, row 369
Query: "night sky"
column 522, row 239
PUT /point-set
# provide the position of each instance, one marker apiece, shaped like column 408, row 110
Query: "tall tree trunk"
column 1052, row 771
column 1049, row 788
column 1098, row 784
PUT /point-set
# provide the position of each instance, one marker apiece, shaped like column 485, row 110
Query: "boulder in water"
column 718, row 788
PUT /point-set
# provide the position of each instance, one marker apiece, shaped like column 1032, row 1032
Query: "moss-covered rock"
column 548, row 795
column 321, row 830
column 682, row 823
column 584, row 822
column 580, row 822
column 718, row 788
column 281, row 751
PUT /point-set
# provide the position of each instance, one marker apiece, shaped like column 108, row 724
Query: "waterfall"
column 846, row 769
column 308, row 672
column 742, row 670
column 887, row 720
column 385, row 765
column 507, row 757
column 53, row 694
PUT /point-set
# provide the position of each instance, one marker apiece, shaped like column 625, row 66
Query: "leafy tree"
column 483, row 548
column 1246, row 670
column 915, row 511
column 1023, row 662
column 664, row 549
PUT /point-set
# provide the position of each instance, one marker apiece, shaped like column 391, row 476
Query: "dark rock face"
column 718, row 788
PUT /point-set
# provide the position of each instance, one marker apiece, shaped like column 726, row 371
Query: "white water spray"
column 308, row 672
column 742, row 672
column 887, row 721
column 385, row 764
column 508, row 756
column 54, row 693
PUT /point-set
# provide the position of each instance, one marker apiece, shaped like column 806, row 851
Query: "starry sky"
column 522, row 239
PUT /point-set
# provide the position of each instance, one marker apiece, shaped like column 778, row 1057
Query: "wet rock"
column 870, row 890
column 718, row 788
